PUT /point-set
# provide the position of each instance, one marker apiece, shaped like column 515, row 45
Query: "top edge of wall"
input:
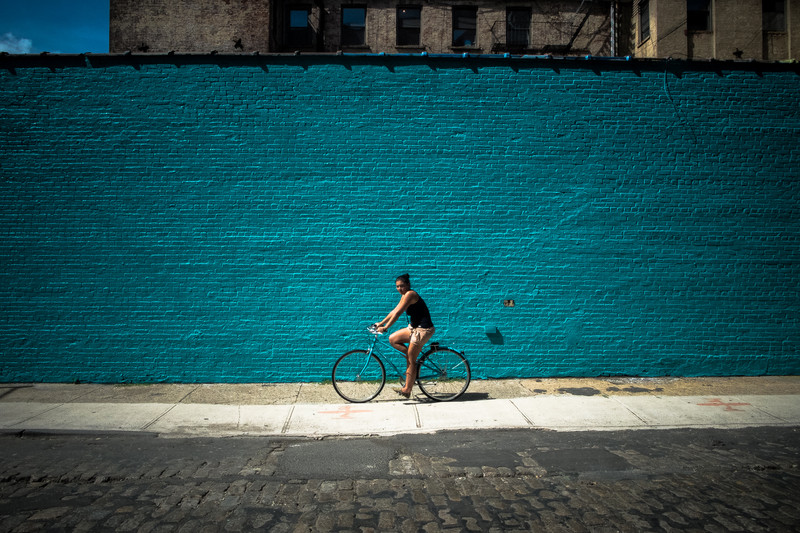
column 90, row 60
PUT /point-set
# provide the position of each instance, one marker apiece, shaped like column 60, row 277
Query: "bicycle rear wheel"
column 358, row 376
column 444, row 374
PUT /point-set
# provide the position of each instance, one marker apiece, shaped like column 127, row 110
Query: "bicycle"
column 443, row 374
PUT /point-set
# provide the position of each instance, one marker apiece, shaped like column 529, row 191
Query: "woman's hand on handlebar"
column 378, row 328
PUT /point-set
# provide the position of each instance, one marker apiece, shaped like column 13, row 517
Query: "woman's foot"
column 403, row 393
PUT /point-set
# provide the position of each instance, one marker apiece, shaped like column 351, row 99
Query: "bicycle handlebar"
column 373, row 328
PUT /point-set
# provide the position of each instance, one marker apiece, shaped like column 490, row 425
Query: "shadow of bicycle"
column 5, row 390
column 466, row 397
column 473, row 396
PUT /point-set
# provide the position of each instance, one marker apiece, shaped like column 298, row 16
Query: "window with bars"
column 518, row 23
column 298, row 28
column 465, row 23
column 698, row 15
column 408, row 25
column 644, row 20
column 354, row 24
column 773, row 15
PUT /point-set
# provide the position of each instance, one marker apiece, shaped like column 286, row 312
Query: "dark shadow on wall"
column 495, row 337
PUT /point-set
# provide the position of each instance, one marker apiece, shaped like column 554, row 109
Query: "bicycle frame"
column 374, row 348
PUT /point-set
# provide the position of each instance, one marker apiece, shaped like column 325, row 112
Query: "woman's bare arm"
column 409, row 298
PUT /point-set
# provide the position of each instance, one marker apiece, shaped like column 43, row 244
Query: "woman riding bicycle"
column 408, row 341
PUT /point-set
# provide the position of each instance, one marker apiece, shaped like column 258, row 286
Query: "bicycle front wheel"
column 358, row 376
column 444, row 374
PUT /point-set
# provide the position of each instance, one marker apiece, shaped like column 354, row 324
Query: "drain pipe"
column 613, row 28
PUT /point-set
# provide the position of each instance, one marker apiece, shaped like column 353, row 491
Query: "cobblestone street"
column 669, row 480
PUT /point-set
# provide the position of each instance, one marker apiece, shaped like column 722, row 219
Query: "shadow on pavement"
column 473, row 396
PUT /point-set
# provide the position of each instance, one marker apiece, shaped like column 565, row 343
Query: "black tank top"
column 418, row 315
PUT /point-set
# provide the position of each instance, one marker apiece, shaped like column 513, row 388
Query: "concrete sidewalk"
column 314, row 410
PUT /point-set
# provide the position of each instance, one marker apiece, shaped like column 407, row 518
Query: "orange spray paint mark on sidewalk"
column 729, row 406
column 345, row 411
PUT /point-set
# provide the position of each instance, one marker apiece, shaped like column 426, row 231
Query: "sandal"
column 403, row 394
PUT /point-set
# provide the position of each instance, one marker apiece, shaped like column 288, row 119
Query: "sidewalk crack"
column 287, row 421
column 528, row 420
column 188, row 394
column 54, row 406
column 159, row 417
column 631, row 411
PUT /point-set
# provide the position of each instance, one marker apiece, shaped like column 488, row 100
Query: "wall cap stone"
column 596, row 63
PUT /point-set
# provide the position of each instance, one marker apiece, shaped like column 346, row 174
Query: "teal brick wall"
column 218, row 219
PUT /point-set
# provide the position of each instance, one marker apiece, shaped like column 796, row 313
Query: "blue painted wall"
column 241, row 220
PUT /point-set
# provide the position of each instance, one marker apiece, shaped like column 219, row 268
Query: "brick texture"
column 243, row 220
column 155, row 26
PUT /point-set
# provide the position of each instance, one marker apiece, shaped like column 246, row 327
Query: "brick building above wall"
column 445, row 27
column 700, row 29
column 159, row 26
column 682, row 29
column 561, row 27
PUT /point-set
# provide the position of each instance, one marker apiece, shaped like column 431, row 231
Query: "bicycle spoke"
column 358, row 376
column 444, row 375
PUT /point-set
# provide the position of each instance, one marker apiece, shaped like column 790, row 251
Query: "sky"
column 55, row 26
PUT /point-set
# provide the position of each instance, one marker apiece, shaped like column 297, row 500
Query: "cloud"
column 11, row 44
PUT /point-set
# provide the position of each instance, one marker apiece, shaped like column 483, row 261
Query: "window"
column 298, row 31
column 464, row 25
column 518, row 23
column 354, row 23
column 644, row 20
column 774, row 15
column 408, row 25
column 698, row 15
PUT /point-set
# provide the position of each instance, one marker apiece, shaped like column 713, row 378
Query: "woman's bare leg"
column 411, row 369
column 400, row 342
